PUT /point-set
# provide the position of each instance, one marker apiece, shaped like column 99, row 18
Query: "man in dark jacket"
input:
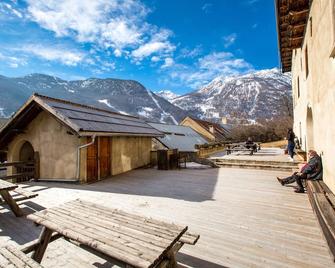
column 290, row 143
column 311, row 171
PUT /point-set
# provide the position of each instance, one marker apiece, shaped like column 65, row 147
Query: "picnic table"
column 5, row 188
column 242, row 147
column 130, row 239
column 19, row 194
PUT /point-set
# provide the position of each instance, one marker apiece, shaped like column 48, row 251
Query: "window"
column 311, row 25
column 298, row 87
column 306, row 61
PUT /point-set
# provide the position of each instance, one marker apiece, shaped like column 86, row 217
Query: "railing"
column 21, row 170
column 208, row 149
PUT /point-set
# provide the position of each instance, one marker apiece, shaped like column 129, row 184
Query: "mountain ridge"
column 241, row 97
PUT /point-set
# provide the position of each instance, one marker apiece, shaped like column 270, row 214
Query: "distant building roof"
column 219, row 132
column 82, row 119
column 179, row 137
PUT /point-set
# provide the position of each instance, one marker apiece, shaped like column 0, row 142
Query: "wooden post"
column 36, row 165
column 11, row 203
column 44, row 239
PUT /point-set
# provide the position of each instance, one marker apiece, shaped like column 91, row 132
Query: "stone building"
column 76, row 142
column 306, row 34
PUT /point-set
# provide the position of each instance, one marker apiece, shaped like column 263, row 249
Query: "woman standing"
column 290, row 143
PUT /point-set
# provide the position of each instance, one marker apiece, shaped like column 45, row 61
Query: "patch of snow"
column 2, row 113
column 167, row 94
column 159, row 107
column 105, row 101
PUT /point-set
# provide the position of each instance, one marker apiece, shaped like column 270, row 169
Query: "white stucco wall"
column 57, row 149
column 317, row 89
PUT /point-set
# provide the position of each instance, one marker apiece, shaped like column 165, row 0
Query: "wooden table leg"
column 11, row 203
column 44, row 240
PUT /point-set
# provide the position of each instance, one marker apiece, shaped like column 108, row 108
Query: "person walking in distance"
column 290, row 143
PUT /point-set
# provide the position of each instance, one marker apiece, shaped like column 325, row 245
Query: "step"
column 255, row 162
column 259, row 166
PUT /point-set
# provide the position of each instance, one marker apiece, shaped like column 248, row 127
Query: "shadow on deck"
column 194, row 185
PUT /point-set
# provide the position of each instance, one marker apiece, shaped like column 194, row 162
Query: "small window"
column 311, row 25
column 306, row 61
column 298, row 87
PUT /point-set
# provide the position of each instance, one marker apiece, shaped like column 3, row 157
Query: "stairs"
column 257, row 164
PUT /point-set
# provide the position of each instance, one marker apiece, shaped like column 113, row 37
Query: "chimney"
column 211, row 129
column 224, row 120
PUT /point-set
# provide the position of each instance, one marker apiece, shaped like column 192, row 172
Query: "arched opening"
column 26, row 152
column 310, row 129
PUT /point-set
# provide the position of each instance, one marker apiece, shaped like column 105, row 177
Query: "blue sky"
column 164, row 44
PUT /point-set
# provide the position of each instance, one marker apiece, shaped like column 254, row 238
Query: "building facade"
column 210, row 131
column 306, row 31
column 76, row 142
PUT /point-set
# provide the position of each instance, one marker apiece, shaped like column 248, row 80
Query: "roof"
column 220, row 133
column 179, row 137
column 292, row 18
column 81, row 119
column 3, row 121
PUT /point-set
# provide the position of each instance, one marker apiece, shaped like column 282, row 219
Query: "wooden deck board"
column 245, row 218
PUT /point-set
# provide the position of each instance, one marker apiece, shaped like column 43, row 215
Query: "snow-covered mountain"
column 124, row 96
column 259, row 95
column 167, row 94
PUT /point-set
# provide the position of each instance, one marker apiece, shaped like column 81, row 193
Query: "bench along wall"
column 313, row 82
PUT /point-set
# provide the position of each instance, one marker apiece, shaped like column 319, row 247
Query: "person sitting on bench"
column 249, row 144
column 311, row 171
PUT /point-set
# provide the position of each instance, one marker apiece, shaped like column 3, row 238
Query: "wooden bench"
column 6, row 196
column 323, row 203
column 130, row 239
column 21, row 194
column 251, row 151
column 10, row 257
column 189, row 238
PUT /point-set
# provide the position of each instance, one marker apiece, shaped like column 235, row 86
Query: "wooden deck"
column 245, row 218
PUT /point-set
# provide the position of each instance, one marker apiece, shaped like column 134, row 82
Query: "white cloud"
column 207, row 7
column 168, row 62
column 229, row 39
column 159, row 44
column 190, row 53
column 62, row 55
column 12, row 62
column 117, row 24
column 155, row 59
column 9, row 9
column 251, row 2
column 151, row 48
column 119, row 34
column 207, row 68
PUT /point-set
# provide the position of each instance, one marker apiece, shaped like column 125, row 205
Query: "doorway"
column 98, row 159
column 26, row 155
